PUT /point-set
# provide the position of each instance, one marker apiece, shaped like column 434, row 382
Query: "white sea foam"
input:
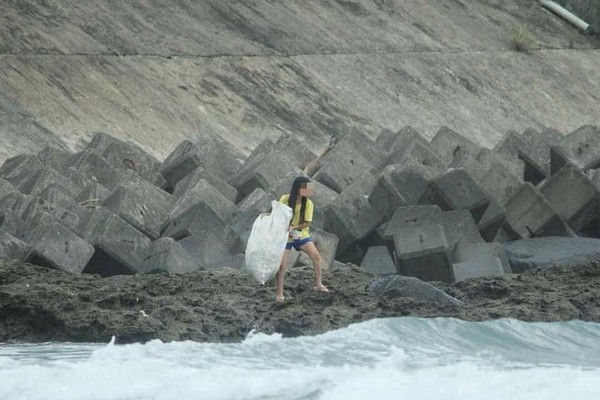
column 380, row 359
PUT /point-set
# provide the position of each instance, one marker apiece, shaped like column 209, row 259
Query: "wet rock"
column 222, row 305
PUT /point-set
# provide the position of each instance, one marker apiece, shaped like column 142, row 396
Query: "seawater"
column 397, row 358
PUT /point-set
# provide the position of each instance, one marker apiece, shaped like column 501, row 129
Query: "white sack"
column 267, row 242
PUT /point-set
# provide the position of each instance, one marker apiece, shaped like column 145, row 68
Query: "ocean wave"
column 385, row 359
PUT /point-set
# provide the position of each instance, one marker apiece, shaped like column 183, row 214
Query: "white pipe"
column 566, row 14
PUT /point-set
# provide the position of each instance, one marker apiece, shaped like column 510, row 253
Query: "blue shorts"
column 296, row 244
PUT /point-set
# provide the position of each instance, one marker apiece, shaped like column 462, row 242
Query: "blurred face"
column 307, row 189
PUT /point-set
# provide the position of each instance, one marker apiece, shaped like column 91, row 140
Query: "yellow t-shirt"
column 308, row 215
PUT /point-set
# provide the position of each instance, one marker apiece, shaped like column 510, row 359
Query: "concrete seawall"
column 158, row 75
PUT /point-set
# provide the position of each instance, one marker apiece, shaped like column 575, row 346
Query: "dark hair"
column 294, row 195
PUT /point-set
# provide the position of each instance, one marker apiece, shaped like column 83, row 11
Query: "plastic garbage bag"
column 267, row 242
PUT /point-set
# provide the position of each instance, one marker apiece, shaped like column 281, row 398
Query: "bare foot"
column 279, row 298
column 321, row 288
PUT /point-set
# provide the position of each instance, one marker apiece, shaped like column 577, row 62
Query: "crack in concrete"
column 288, row 55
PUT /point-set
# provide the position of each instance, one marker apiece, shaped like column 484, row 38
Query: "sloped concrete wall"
column 158, row 74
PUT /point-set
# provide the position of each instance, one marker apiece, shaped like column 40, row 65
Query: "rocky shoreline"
column 222, row 305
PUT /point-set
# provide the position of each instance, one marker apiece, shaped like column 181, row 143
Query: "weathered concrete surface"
column 38, row 304
column 159, row 74
column 551, row 251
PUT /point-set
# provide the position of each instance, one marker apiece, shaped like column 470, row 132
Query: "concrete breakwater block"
column 491, row 159
column 296, row 149
column 500, row 183
column 10, row 222
column 5, row 188
column 47, row 177
column 352, row 217
column 119, row 246
column 364, row 190
column 341, row 167
column 96, row 168
column 327, row 245
column 166, row 255
column 133, row 181
column 208, row 152
column 412, row 216
column 450, row 145
column 20, row 170
column 125, row 155
column 53, row 157
column 11, row 247
column 203, row 192
column 401, row 183
column 182, row 160
column 61, row 249
column 579, row 147
column 386, row 195
column 464, row 252
column 135, row 209
column 492, row 220
column 16, row 201
column 377, row 261
column 35, row 226
column 459, row 227
column 536, row 152
column 422, row 252
column 529, row 214
column 456, row 190
column 205, row 248
column 573, row 195
column 195, row 220
column 192, row 180
column 414, row 150
column 551, row 251
column 262, row 173
column 477, row 268
column 56, row 195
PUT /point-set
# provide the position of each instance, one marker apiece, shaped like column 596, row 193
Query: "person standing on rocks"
column 299, row 232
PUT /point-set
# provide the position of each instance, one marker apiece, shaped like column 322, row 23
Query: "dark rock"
column 40, row 304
